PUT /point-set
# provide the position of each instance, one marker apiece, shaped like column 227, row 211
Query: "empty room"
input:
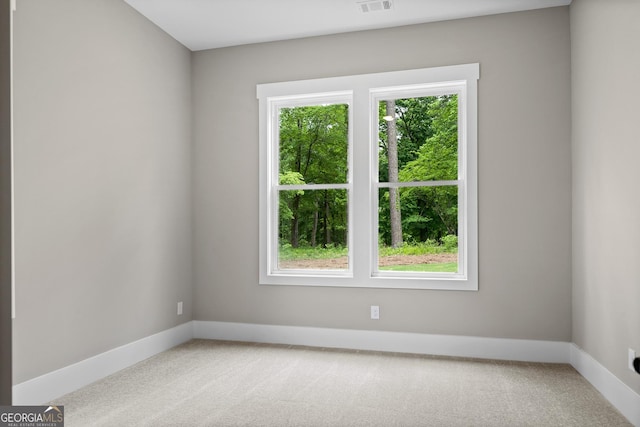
column 336, row 213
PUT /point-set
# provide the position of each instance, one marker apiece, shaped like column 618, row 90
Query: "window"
column 311, row 185
column 370, row 180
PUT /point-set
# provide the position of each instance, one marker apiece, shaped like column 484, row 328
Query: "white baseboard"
column 441, row 345
column 615, row 391
column 49, row 386
column 57, row 383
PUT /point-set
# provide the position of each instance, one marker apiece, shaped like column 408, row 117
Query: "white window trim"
column 364, row 89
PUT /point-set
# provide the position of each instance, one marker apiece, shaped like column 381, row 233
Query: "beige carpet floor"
column 221, row 383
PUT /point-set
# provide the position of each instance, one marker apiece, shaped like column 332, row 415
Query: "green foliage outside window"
column 313, row 149
column 427, row 132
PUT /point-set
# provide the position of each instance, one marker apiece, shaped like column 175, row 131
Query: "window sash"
column 378, row 95
column 275, row 104
column 275, row 252
column 375, row 249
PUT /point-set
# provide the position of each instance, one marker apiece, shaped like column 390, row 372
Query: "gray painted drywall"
column 524, row 178
column 103, row 199
column 605, row 65
column 5, row 203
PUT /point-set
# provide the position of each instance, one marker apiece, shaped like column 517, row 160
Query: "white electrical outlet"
column 632, row 356
column 375, row 312
column 179, row 308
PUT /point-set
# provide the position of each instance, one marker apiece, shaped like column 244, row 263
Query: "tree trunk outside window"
column 394, row 193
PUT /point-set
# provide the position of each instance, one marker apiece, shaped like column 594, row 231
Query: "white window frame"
column 364, row 91
column 275, row 104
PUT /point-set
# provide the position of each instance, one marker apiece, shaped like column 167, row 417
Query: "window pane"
column 312, row 230
column 420, row 233
column 313, row 144
column 418, row 139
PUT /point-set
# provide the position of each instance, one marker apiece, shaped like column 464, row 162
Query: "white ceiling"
column 208, row 24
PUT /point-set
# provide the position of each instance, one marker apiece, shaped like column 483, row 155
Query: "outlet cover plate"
column 375, row 312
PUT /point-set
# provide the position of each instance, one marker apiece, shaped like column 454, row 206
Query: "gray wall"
column 102, row 134
column 5, row 205
column 524, row 178
column 606, row 201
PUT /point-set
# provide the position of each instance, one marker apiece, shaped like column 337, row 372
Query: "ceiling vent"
column 374, row 5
